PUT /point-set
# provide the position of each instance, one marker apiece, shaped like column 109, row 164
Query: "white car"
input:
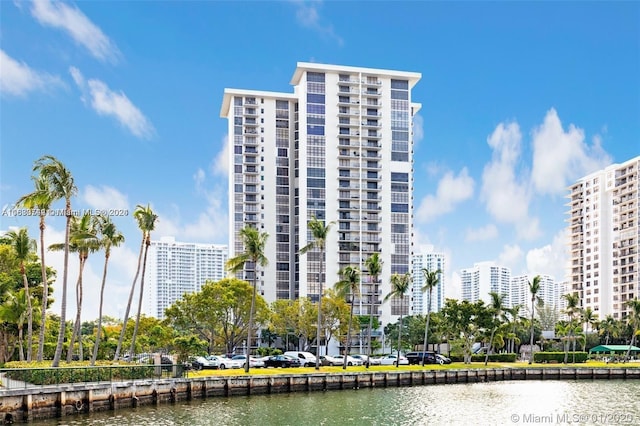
column 391, row 360
column 353, row 361
column 363, row 358
column 331, row 360
column 224, row 362
column 253, row 362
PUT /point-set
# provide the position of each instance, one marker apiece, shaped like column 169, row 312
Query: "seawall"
column 19, row 405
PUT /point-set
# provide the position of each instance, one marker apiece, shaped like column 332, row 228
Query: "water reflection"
column 495, row 403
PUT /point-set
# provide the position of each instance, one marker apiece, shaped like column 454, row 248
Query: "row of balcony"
column 366, row 82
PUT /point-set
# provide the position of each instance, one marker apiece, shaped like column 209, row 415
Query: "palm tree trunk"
column 76, row 324
column 63, row 302
column 633, row 340
column 126, row 312
column 144, row 267
column 426, row 328
column 319, row 311
column 370, row 331
column 486, row 355
column 346, row 346
column 45, row 292
column 400, row 331
column 20, row 344
column 532, row 331
column 29, row 312
column 94, row 357
column 253, row 305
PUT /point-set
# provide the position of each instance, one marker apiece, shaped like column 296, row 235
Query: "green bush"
column 495, row 358
column 545, row 357
column 38, row 375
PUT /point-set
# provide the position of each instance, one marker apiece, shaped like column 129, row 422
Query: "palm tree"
column 608, row 327
column 82, row 240
column 40, row 200
column 374, row 266
column 110, row 237
column 513, row 312
column 399, row 286
column 23, row 247
column 146, row 219
column 61, row 186
column 319, row 233
column 572, row 310
column 349, row 284
column 431, row 279
column 14, row 310
column 634, row 322
column 589, row 318
column 497, row 309
column 254, row 248
column 534, row 288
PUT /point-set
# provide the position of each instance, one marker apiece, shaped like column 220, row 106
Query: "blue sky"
column 519, row 100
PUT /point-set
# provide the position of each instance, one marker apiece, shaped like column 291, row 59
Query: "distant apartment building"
column 339, row 149
column 485, row 277
column 549, row 292
column 174, row 268
column 603, row 215
column 420, row 300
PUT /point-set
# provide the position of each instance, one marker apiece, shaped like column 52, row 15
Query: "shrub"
column 544, row 357
column 43, row 374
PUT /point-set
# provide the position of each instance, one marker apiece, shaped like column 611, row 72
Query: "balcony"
column 371, row 124
column 372, row 92
column 250, row 112
column 371, row 82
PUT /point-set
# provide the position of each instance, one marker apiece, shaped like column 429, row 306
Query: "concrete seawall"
column 31, row 403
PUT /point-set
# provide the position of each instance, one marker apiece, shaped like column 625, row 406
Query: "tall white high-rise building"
column 174, row 268
column 432, row 262
column 549, row 292
column 483, row 278
column 339, row 148
column 604, row 238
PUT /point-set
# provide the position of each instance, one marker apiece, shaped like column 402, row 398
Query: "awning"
column 613, row 349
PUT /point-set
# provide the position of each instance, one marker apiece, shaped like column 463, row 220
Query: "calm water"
column 497, row 403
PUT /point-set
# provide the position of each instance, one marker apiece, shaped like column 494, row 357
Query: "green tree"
column 254, row 243
column 146, row 219
column 23, row 247
column 349, row 286
column 399, row 286
column 61, row 186
column 14, row 310
column 634, row 321
column 374, row 268
column 318, row 232
column 466, row 322
column 109, row 237
column 40, row 200
column 572, row 310
column 335, row 315
column 610, row 327
column 514, row 321
column 431, row 279
column 534, row 288
column 497, row 311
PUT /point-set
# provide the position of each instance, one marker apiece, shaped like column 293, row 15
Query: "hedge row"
column 54, row 376
column 492, row 358
column 559, row 357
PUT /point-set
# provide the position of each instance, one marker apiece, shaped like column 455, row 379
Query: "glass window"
column 315, row 98
column 315, row 76
column 315, row 130
column 400, row 84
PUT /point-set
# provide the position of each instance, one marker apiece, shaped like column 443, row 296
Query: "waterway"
column 598, row 402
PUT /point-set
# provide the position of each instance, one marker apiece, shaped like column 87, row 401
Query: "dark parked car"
column 416, row 357
column 442, row 359
column 281, row 361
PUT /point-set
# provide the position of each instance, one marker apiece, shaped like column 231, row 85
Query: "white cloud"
column 18, row 79
column 504, row 189
column 560, row 157
column 511, row 257
column 105, row 197
column 451, row 191
column 115, row 104
column 484, row 233
column 550, row 259
column 418, row 128
column 71, row 20
column 308, row 16
column 220, row 164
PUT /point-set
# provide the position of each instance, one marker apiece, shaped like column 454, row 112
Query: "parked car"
column 391, row 360
column 253, row 362
column 306, row 358
column 200, row 363
column 353, row 361
column 416, row 357
column 224, row 362
column 442, row 359
column 363, row 358
column 331, row 360
column 282, row 361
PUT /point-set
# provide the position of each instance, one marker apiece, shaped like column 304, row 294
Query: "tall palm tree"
column 254, row 246
column 349, row 284
column 497, row 309
column 109, row 237
column 513, row 313
column 61, row 186
column 40, row 200
column 399, row 286
column 82, row 240
column 431, row 279
column 146, row 219
column 608, row 327
column 534, row 288
column 319, row 232
column 634, row 322
column 14, row 310
column 374, row 266
column 23, row 247
column 572, row 309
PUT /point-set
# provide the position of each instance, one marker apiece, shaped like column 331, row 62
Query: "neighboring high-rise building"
column 432, row 262
column 483, row 278
column 175, row 268
column 339, row 148
column 604, row 238
column 550, row 292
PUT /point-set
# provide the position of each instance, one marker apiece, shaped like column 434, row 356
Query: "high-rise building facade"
column 174, row 268
column 432, row 262
column 603, row 215
column 338, row 149
column 483, row 278
column 549, row 292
